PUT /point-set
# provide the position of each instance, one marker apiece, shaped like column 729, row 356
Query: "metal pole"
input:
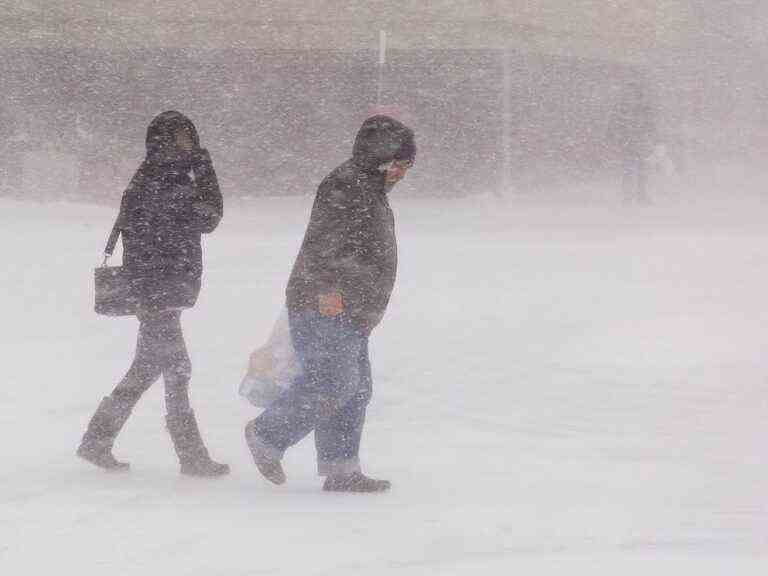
column 382, row 63
column 506, row 121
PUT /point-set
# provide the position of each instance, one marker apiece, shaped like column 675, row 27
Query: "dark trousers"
column 329, row 397
column 160, row 350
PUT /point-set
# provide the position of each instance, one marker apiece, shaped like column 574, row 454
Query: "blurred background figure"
column 636, row 137
column 10, row 152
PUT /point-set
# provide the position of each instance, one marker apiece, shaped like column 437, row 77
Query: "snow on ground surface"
column 558, row 389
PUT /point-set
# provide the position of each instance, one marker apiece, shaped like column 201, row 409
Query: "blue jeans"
column 329, row 397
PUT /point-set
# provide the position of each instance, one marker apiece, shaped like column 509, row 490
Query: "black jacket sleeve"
column 208, row 205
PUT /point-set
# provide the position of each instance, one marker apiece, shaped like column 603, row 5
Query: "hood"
column 382, row 139
column 160, row 141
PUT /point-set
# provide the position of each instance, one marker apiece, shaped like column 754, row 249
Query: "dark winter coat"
column 350, row 245
column 164, row 212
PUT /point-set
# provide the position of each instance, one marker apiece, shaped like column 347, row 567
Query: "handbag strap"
column 112, row 240
column 118, row 225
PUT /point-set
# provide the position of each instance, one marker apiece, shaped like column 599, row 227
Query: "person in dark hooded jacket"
column 162, row 216
column 337, row 294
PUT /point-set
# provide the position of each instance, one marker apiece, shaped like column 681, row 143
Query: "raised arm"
column 208, row 206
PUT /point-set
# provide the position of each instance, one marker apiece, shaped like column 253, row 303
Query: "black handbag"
column 124, row 291
column 116, row 294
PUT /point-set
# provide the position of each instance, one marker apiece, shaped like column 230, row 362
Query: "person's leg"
column 114, row 410
column 176, row 366
column 327, row 350
column 337, row 438
column 147, row 364
column 180, row 420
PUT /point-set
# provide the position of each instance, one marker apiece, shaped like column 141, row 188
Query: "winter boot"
column 355, row 482
column 265, row 457
column 106, row 423
column 192, row 453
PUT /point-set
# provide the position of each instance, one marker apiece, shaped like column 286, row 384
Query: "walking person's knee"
column 142, row 374
column 176, row 379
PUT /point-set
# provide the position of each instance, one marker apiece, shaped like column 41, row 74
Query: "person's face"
column 396, row 171
column 183, row 141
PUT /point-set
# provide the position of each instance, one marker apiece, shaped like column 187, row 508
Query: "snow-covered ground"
column 558, row 389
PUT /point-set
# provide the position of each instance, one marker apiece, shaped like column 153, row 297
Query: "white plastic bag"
column 271, row 368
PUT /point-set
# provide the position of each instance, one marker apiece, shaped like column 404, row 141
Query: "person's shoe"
column 355, row 482
column 272, row 470
column 102, row 458
column 192, row 453
column 204, row 468
column 269, row 466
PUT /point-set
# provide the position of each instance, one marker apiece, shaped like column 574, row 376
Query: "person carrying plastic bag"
column 337, row 294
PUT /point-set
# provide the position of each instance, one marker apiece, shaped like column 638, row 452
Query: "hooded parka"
column 164, row 212
column 350, row 245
